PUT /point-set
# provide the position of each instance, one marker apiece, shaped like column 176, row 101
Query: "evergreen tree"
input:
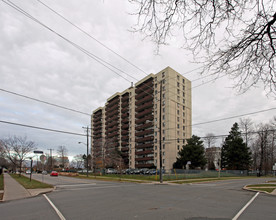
column 235, row 155
column 193, row 151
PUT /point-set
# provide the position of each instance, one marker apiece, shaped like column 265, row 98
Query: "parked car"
column 54, row 173
column 111, row 171
column 44, row 172
column 28, row 172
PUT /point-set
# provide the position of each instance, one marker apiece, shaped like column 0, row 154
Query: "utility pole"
column 51, row 158
column 87, row 142
column 160, row 134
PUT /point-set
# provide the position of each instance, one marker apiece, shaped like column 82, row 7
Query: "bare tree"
column 234, row 38
column 210, row 139
column 78, row 160
column 246, row 126
column 16, row 150
column 62, row 152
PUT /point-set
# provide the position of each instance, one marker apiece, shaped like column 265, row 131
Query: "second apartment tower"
column 127, row 129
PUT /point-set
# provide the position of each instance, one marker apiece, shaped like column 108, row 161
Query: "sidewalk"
column 14, row 190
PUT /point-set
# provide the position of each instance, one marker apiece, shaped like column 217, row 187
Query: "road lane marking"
column 242, row 210
column 55, row 208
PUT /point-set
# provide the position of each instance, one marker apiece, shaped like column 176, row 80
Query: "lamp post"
column 86, row 155
column 31, row 168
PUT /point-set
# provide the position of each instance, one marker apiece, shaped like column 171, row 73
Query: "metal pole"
column 160, row 135
column 31, row 169
column 87, row 151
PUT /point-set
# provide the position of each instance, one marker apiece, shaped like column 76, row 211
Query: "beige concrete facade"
column 130, row 121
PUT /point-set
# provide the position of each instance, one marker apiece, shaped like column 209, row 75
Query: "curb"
column 254, row 190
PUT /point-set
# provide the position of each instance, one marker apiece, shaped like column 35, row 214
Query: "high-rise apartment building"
column 129, row 126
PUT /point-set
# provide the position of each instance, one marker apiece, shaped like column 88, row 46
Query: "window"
column 163, row 138
column 183, row 107
column 155, row 133
column 184, row 88
column 163, row 88
column 183, row 94
column 163, row 153
column 183, row 80
column 163, row 124
column 177, row 140
column 178, row 84
column 163, row 162
column 178, row 91
column 163, row 95
column 155, row 85
column 155, row 78
column 163, row 110
column 177, row 77
column 177, row 125
column 155, row 147
column 163, row 117
column 178, row 98
column 177, row 105
column 163, row 81
column 155, row 140
column 183, row 127
column 163, row 74
column 155, row 92
column 163, row 146
column 155, row 154
column 183, row 121
column 183, row 114
column 178, row 132
column 163, row 102
column 163, row 131
column 178, row 111
column 183, row 134
column 178, row 147
column 183, row 101
column 177, row 119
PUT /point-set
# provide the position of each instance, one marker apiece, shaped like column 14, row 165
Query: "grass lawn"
column 269, row 190
column 263, row 185
column 26, row 183
column 1, row 182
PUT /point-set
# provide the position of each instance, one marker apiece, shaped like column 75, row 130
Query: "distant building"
column 213, row 156
column 130, row 121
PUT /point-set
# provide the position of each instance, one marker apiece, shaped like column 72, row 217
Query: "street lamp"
column 86, row 157
column 31, row 168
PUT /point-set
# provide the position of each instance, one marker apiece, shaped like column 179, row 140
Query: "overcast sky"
column 37, row 63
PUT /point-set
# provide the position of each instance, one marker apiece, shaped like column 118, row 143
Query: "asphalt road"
column 90, row 199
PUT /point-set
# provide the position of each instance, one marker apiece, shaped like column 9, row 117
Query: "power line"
column 90, row 36
column 48, row 103
column 236, row 116
column 41, row 128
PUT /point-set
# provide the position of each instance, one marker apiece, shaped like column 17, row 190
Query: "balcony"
column 144, row 126
column 141, row 94
column 146, row 99
column 142, row 133
column 143, row 113
column 125, row 126
column 144, row 159
column 145, row 139
column 124, row 149
column 148, row 165
column 124, row 143
column 142, row 120
column 144, row 106
column 144, row 152
column 143, row 146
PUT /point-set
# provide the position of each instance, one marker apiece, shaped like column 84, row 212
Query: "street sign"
column 38, row 152
column 42, row 158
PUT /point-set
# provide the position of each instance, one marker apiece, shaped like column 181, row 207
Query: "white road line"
column 242, row 210
column 55, row 208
